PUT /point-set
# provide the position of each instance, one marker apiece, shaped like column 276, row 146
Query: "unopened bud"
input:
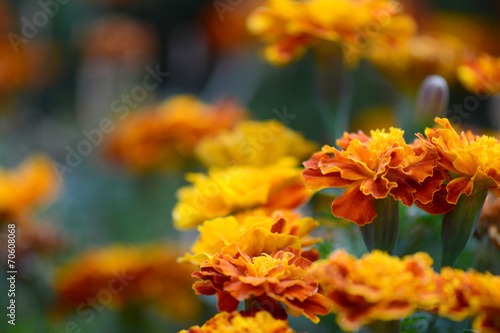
column 432, row 98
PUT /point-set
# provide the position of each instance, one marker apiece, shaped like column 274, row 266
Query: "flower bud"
column 432, row 98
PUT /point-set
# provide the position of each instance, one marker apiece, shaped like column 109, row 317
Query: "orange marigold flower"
column 473, row 159
column 281, row 276
column 375, row 287
column 470, row 294
column 373, row 168
column 290, row 27
column 275, row 231
column 253, row 143
column 122, row 275
column 225, row 191
column 489, row 222
column 31, row 184
column 236, row 322
column 481, row 75
column 166, row 135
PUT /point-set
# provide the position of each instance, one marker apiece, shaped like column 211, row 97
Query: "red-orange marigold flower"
column 473, row 159
column 373, row 168
column 281, row 277
column 470, row 294
column 375, row 287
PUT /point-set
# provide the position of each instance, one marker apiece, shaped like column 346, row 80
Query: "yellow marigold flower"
column 375, row 287
column 418, row 57
column 374, row 168
column 471, row 294
column 253, row 143
column 225, row 191
column 290, row 27
column 473, row 159
column 481, row 75
column 30, row 185
column 255, row 233
column 236, row 322
column 489, row 222
column 164, row 136
column 120, row 275
column 281, row 277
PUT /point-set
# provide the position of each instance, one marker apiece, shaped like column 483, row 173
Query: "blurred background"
column 65, row 66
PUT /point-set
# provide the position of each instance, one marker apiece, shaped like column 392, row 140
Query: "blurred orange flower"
column 32, row 184
column 489, row 222
column 375, row 287
column 236, row 322
column 276, row 231
column 470, row 294
column 481, row 75
column 473, row 159
column 164, row 136
column 121, row 275
column 280, row 276
column 226, row 191
column 373, row 168
column 290, row 27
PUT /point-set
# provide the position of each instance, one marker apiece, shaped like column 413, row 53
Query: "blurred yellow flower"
column 375, row 287
column 471, row 294
column 281, row 277
column 226, row 191
column 31, row 184
column 253, row 143
column 481, row 75
column 121, row 275
column 290, row 27
column 235, row 322
column 473, row 159
column 418, row 57
column 255, row 233
column 164, row 136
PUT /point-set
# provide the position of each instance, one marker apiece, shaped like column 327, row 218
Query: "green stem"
column 343, row 112
column 459, row 225
column 381, row 327
column 382, row 233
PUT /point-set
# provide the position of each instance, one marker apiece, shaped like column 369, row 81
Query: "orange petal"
column 354, row 205
column 457, row 187
column 316, row 181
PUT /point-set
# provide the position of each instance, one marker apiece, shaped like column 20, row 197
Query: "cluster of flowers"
column 381, row 32
column 264, row 257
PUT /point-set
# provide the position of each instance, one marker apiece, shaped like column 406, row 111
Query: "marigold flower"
column 480, row 75
column 236, row 322
column 164, row 136
column 373, row 168
column 470, row 294
column 375, row 287
column 473, row 159
column 290, row 27
column 280, row 276
column 225, row 191
column 122, row 275
column 255, row 233
column 31, row 184
column 253, row 143
column 489, row 222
